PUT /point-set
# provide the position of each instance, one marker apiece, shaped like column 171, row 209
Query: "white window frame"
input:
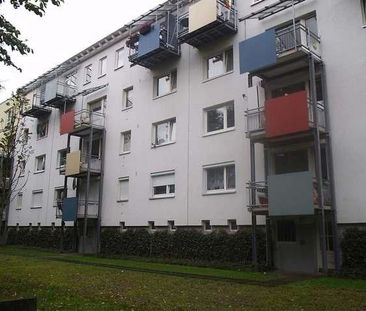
column 173, row 79
column 172, row 123
column 171, row 225
column 22, row 166
column 363, row 11
column 167, row 194
column 119, row 58
column 102, row 67
column 19, row 203
column 57, row 191
column 37, row 159
column 59, row 165
column 122, row 142
column 225, row 189
column 206, row 225
column 39, row 125
column 122, row 180
column 232, row 223
column 127, row 98
column 226, row 70
column 88, row 73
column 225, row 127
column 34, row 192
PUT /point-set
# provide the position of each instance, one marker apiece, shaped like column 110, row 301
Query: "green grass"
column 69, row 286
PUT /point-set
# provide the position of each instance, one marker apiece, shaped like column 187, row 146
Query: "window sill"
column 117, row 68
column 256, row 2
column 86, row 83
column 162, row 145
column 167, row 94
column 36, row 207
column 124, row 153
column 127, row 108
column 122, row 201
column 39, row 172
column 162, row 197
column 101, row 76
column 219, row 76
column 231, row 129
column 218, row 192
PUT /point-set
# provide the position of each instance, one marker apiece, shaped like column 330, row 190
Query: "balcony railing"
column 290, row 38
column 88, row 118
column 77, row 164
column 95, row 163
column 92, row 209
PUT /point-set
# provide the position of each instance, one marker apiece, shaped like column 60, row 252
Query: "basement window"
column 233, row 226
column 286, row 231
column 206, row 225
column 171, row 225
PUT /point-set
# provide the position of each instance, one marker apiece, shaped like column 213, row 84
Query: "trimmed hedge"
column 184, row 244
column 44, row 238
column 354, row 252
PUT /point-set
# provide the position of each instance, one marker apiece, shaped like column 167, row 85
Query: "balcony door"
column 291, row 162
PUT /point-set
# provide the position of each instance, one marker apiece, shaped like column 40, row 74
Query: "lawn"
column 71, row 282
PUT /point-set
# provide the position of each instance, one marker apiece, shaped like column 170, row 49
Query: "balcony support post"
column 318, row 170
column 253, row 203
column 337, row 257
column 88, row 176
column 268, row 242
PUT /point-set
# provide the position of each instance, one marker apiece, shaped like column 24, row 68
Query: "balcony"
column 207, row 21
column 277, row 52
column 92, row 209
column 71, row 209
column 58, row 93
column 77, row 165
column 36, row 110
column 80, row 123
column 284, row 116
column 293, row 194
column 154, row 43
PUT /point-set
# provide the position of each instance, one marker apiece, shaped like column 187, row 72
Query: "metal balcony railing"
column 95, row 163
column 92, row 210
column 295, row 37
column 225, row 14
column 88, row 118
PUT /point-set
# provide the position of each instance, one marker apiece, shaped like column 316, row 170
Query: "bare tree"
column 14, row 154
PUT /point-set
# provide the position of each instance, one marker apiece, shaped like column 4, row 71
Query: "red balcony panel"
column 67, row 122
column 287, row 114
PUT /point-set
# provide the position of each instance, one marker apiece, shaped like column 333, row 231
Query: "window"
column 123, row 191
column 151, row 225
column 61, row 158
column 220, row 118
column 125, row 142
column 102, row 70
column 58, row 197
column 19, row 201
column 233, row 226
column 88, row 73
column 164, row 132
column 127, row 98
column 25, row 135
column 95, row 106
column 166, row 84
column 171, row 225
column 40, row 163
column 220, row 178
column 119, row 62
column 163, row 184
column 37, row 197
column 363, row 8
column 220, row 64
column 70, row 81
column 42, row 129
column 206, row 225
column 286, row 231
column 122, row 226
column 95, row 148
column 22, row 165
column 291, row 162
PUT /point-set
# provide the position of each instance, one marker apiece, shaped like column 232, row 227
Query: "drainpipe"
column 253, row 202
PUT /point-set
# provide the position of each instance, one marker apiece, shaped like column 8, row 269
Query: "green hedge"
column 44, row 238
column 354, row 252
column 183, row 244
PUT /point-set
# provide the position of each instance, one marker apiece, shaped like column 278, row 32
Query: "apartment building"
column 207, row 114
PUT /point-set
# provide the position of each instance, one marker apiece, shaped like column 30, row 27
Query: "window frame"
column 122, row 142
column 225, row 189
column 39, row 125
column 58, row 190
column 122, row 180
column 172, row 132
column 102, row 67
column 34, row 192
column 226, row 70
column 225, row 124
column 206, row 225
column 88, row 71
column 37, row 158
column 173, row 78
column 126, row 97
column 18, row 206
column 363, row 12
column 167, row 194
column 119, row 53
column 58, row 164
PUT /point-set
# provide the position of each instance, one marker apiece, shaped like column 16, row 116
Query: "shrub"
column 353, row 246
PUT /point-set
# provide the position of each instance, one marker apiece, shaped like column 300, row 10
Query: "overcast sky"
column 63, row 32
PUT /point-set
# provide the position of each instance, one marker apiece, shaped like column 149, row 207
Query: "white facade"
column 194, row 151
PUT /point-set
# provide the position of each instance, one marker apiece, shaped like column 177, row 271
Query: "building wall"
column 340, row 27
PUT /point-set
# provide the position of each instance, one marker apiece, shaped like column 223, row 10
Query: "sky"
column 63, row 32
